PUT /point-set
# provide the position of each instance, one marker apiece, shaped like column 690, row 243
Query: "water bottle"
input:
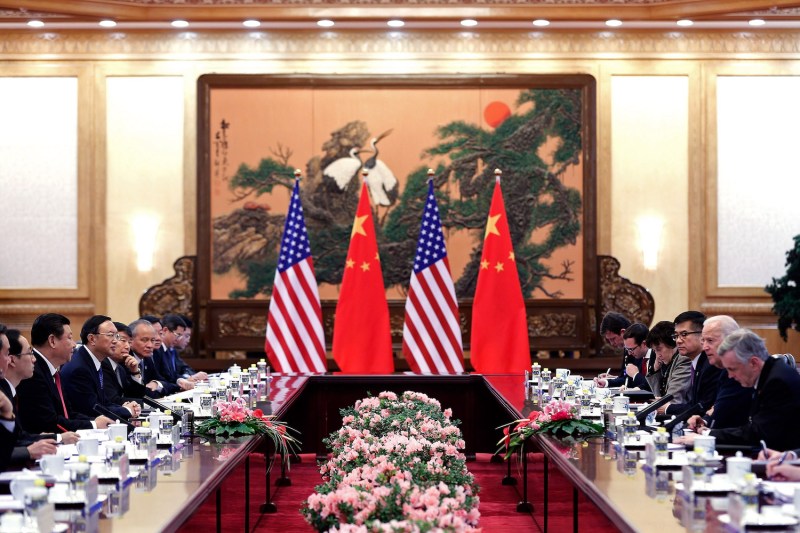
column 661, row 441
column 749, row 494
column 630, row 425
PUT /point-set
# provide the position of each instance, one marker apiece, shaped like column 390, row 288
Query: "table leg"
column 247, row 494
column 524, row 506
column 546, row 488
column 268, row 506
column 284, row 480
column 508, row 480
column 219, row 510
column 575, row 510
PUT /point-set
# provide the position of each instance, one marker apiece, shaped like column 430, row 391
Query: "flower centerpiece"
column 235, row 418
column 396, row 465
column 558, row 418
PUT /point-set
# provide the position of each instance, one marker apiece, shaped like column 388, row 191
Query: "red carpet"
column 498, row 502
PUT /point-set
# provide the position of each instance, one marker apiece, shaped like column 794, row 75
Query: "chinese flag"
column 362, row 343
column 499, row 326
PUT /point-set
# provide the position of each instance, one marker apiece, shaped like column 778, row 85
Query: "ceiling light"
column 541, row 22
column 469, row 23
column 684, row 22
column 396, row 23
column 179, row 24
column 325, row 23
column 107, row 23
column 757, row 22
column 251, row 23
column 614, row 23
column 35, row 23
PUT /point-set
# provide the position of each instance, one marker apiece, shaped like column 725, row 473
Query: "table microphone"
column 112, row 415
column 158, row 405
column 685, row 415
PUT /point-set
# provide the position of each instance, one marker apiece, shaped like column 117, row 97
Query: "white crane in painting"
column 380, row 179
column 343, row 169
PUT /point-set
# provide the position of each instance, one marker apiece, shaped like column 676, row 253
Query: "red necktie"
column 57, row 377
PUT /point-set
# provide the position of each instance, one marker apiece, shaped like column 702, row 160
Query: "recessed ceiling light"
column 469, row 23
column 107, row 23
column 614, row 23
column 35, row 23
column 396, row 23
column 251, row 23
column 325, row 23
column 541, row 22
column 179, row 24
column 757, row 22
column 684, row 22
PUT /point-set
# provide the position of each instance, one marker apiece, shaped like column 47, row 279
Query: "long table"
column 311, row 405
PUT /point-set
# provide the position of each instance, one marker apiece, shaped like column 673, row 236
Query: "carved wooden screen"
column 255, row 130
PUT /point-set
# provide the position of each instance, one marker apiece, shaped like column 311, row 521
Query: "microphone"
column 641, row 416
column 99, row 409
column 696, row 409
column 158, row 405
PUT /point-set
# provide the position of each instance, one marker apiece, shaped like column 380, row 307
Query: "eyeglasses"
column 31, row 353
column 148, row 339
column 684, row 334
column 110, row 334
column 630, row 350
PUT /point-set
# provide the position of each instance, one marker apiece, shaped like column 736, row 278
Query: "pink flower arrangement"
column 236, row 418
column 558, row 418
column 407, row 465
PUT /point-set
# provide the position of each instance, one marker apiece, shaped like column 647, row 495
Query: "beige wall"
column 656, row 144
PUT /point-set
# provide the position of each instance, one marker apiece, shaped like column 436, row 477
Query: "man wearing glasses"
column 43, row 406
column 637, row 354
column 83, row 375
column 704, row 377
column 166, row 359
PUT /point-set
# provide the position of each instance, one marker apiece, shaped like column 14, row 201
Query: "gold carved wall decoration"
column 242, row 325
column 621, row 295
column 173, row 295
column 377, row 45
column 552, row 325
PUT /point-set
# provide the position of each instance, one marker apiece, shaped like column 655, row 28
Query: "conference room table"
column 311, row 405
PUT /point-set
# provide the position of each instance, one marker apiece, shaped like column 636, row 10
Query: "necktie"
column 100, row 377
column 173, row 354
column 120, row 376
column 57, row 378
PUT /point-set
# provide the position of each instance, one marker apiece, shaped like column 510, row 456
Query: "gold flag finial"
column 297, row 173
column 497, row 174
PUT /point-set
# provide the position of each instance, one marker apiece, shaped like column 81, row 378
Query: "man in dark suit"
column 166, row 359
column 776, row 394
column 704, row 378
column 19, row 366
column 143, row 340
column 121, row 371
column 83, row 376
column 637, row 353
column 612, row 328
column 732, row 404
column 43, row 407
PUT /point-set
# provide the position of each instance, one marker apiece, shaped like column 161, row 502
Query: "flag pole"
column 497, row 174
column 297, row 174
column 430, row 175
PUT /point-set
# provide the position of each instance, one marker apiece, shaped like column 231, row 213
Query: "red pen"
column 62, row 428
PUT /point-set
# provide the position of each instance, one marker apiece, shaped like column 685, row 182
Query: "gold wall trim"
column 422, row 45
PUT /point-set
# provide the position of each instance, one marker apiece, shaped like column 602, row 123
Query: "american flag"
column 431, row 331
column 295, row 340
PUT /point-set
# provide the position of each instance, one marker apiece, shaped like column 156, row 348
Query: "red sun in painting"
column 495, row 113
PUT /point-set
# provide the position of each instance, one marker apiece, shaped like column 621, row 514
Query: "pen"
column 764, row 449
column 62, row 428
column 608, row 371
column 783, row 457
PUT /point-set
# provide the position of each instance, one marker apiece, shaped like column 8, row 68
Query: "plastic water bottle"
column 661, row 441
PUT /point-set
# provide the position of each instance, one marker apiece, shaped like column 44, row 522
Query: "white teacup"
column 19, row 485
column 737, row 467
column 562, row 373
column 621, row 404
column 88, row 447
column 707, row 445
column 52, row 465
column 117, row 430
